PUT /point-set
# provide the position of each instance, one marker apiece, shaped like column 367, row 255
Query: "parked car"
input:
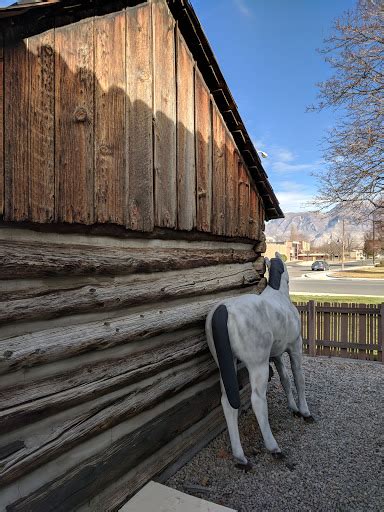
column 320, row 265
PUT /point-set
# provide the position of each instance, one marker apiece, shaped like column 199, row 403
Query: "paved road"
column 341, row 286
column 297, row 270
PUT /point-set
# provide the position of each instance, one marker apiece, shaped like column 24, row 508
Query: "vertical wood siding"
column 254, row 216
column 74, row 115
column 203, row 127
column 218, row 177
column 243, row 210
column 232, row 162
column 108, row 120
column 16, row 151
column 110, row 117
column 42, row 105
column 164, row 116
column 140, row 208
column 186, row 169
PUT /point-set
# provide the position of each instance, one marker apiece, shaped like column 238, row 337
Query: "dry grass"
column 366, row 273
column 354, row 299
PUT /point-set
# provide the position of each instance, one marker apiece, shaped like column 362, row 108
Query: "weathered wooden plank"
column 74, row 115
column 232, row 187
column 42, row 129
column 110, row 118
column 361, row 309
column 218, row 176
column 160, row 436
column 243, row 214
column 326, row 326
column 177, row 284
column 21, row 259
column 254, row 220
column 164, row 116
column 17, row 131
column 311, row 328
column 104, row 416
column 1, row 125
column 203, row 133
column 139, row 210
column 186, row 168
column 34, row 400
column 42, row 347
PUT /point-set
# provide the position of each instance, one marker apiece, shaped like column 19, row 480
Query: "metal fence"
column 348, row 330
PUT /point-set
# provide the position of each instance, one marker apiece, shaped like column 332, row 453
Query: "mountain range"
column 318, row 227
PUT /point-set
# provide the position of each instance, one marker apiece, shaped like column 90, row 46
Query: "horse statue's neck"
column 276, row 271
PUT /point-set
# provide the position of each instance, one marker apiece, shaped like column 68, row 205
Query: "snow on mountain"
column 318, row 228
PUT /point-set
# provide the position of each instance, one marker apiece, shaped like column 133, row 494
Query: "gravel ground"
column 335, row 464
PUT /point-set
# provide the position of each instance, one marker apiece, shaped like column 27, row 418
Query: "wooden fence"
column 348, row 330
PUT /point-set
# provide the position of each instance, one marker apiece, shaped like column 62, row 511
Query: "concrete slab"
column 155, row 497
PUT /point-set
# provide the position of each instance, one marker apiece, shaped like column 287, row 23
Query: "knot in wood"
column 80, row 115
column 106, row 150
column 48, row 50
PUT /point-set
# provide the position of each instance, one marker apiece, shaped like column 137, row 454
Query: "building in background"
column 292, row 250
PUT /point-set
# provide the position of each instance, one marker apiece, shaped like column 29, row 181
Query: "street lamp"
column 263, row 154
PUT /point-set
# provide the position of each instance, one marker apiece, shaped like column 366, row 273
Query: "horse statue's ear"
column 268, row 262
column 278, row 255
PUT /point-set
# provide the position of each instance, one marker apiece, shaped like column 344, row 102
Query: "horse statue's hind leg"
column 231, row 417
column 258, row 376
column 295, row 355
column 286, row 383
column 219, row 344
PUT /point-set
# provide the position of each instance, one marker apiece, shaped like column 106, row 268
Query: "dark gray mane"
column 275, row 271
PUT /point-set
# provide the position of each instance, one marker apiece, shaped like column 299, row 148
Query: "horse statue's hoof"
column 278, row 455
column 244, row 467
column 297, row 414
column 309, row 419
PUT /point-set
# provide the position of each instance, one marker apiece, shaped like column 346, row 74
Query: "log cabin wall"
column 105, row 376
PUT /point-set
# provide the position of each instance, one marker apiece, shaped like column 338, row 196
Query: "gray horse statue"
column 257, row 329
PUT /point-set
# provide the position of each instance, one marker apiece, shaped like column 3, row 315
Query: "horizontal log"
column 353, row 309
column 102, row 417
column 346, row 344
column 87, row 479
column 31, row 259
column 81, row 299
column 33, row 400
column 259, row 264
column 50, row 345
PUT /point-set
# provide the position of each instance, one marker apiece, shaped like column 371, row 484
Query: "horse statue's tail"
column 225, row 355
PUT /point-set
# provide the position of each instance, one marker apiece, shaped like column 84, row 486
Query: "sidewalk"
column 155, row 497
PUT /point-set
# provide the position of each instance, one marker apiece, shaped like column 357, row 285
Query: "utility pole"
column 343, row 247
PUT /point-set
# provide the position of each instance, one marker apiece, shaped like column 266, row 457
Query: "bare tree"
column 294, row 233
column 354, row 148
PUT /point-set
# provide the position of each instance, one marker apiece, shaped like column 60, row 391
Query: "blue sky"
column 267, row 52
